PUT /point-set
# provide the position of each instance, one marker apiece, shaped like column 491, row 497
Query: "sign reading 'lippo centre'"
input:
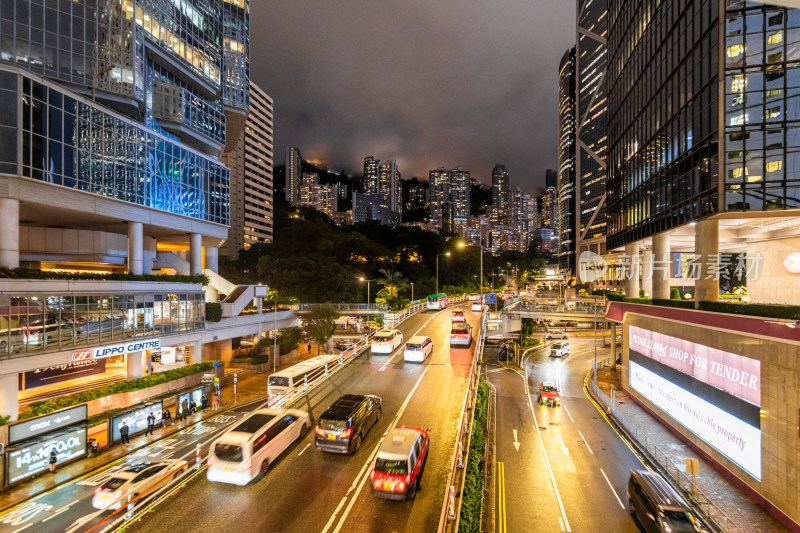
column 119, row 349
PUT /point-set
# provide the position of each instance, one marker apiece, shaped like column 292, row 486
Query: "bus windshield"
column 278, row 381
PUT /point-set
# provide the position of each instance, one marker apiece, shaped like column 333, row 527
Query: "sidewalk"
column 742, row 511
column 249, row 388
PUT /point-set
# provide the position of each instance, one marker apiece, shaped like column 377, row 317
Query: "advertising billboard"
column 714, row 394
column 27, row 461
column 55, row 374
column 33, row 427
column 195, row 396
column 120, row 349
column 136, row 420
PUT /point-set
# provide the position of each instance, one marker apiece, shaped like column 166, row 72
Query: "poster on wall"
column 56, row 374
column 714, row 394
column 29, row 460
column 136, row 420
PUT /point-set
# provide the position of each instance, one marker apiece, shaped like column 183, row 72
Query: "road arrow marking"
column 516, row 442
column 563, row 446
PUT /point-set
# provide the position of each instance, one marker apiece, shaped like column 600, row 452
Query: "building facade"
column 566, row 162
column 501, row 194
column 321, row 197
column 591, row 110
column 371, row 168
column 439, row 180
column 251, row 175
column 460, row 194
column 389, row 185
column 294, row 175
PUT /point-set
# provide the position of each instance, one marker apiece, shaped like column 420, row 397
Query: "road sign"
column 490, row 299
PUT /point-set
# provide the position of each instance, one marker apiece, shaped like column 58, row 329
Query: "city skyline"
column 428, row 113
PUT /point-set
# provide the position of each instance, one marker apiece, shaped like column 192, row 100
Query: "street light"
column 412, row 291
column 437, row 270
column 367, row 280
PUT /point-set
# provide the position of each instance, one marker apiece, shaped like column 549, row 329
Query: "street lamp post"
column 437, row 270
column 367, row 280
column 412, row 291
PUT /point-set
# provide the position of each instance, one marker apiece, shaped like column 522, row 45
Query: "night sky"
column 427, row 82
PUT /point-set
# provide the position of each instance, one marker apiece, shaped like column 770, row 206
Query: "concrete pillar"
column 647, row 272
column 9, row 399
column 706, row 249
column 135, row 248
column 196, row 352
column 632, row 270
column 212, row 258
column 195, row 254
column 212, row 294
column 9, row 236
column 134, row 363
column 662, row 265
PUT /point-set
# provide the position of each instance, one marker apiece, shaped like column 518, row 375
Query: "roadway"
column 560, row 469
column 305, row 490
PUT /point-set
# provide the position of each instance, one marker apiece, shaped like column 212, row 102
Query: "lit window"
column 773, row 112
column 739, row 119
column 737, row 83
column 773, row 93
column 774, row 166
column 736, row 173
column 776, row 37
column 735, row 50
column 753, row 179
column 738, row 99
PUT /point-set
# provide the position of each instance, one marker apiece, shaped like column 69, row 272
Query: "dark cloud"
column 426, row 82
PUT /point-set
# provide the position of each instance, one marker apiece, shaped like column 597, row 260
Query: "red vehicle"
column 548, row 394
column 399, row 463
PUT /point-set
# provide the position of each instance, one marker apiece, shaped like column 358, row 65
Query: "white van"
column 418, row 349
column 253, row 444
column 386, row 341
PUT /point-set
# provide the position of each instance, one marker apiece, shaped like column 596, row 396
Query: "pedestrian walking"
column 151, row 423
column 53, row 459
column 204, row 400
column 90, row 448
column 95, row 447
column 215, row 401
column 166, row 418
column 184, row 409
column 123, row 433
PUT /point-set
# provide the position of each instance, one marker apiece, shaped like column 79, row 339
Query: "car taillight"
column 346, row 433
column 319, row 431
column 210, row 460
column 399, row 486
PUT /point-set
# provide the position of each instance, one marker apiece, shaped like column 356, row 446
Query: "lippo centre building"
column 725, row 384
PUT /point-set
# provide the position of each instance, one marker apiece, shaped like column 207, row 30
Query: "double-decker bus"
column 437, row 301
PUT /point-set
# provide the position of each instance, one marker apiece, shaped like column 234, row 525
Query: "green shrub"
column 615, row 296
column 29, row 273
column 473, row 476
column 213, row 311
column 682, row 304
column 675, row 293
column 48, row 406
column 791, row 312
column 288, row 339
column 258, row 360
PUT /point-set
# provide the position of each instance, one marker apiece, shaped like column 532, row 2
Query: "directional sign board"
column 490, row 299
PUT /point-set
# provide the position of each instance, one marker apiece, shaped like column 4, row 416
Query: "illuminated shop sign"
column 136, row 420
column 27, row 461
column 118, row 349
column 33, row 427
column 714, row 394
column 791, row 263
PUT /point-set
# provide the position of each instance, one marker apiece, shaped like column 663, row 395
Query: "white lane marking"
column 23, row 527
column 586, row 443
column 563, row 446
column 304, row 449
column 399, row 349
column 60, row 510
column 568, row 413
column 358, row 483
column 516, row 442
column 612, row 489
column 545, row 456
column 561, row 523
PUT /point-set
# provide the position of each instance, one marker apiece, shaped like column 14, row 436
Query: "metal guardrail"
column 174, row 479
column 451, row 507
column 640, row 434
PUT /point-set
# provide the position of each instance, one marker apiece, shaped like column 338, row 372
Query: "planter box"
column 126, row 399
column 263, row 367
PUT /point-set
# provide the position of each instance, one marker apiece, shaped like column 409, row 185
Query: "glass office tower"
column 566, row 162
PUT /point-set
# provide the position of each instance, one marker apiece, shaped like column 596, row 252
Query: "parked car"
column 555, row 335
column 559, row 349
column 343, row 426
column 399, row 463
column 548, row 394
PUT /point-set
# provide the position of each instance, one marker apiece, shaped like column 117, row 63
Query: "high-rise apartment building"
column 549, row 208
column 439, row 180
column 591, row 109
column 523, row 219
column 371, row 187
column 460, row 194
column 320, row 197
column 550, row 178
column 250, row 164
column 566, row 162
column 294, row 175
column 113, row 116
column 389, row 185
column 501, row 194
column 417, row 196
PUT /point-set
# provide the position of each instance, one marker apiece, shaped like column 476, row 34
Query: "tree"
column 319, row 323
column 392, row 281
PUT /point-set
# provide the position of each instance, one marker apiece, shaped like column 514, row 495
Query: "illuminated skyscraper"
column 294, row 175
column 371, row 186
column 389, row 185
column 439, row 180
column 566, row 162
column 501, row 194
column 460, row 194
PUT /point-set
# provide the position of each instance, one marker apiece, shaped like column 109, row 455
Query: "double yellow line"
column 501, row 497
